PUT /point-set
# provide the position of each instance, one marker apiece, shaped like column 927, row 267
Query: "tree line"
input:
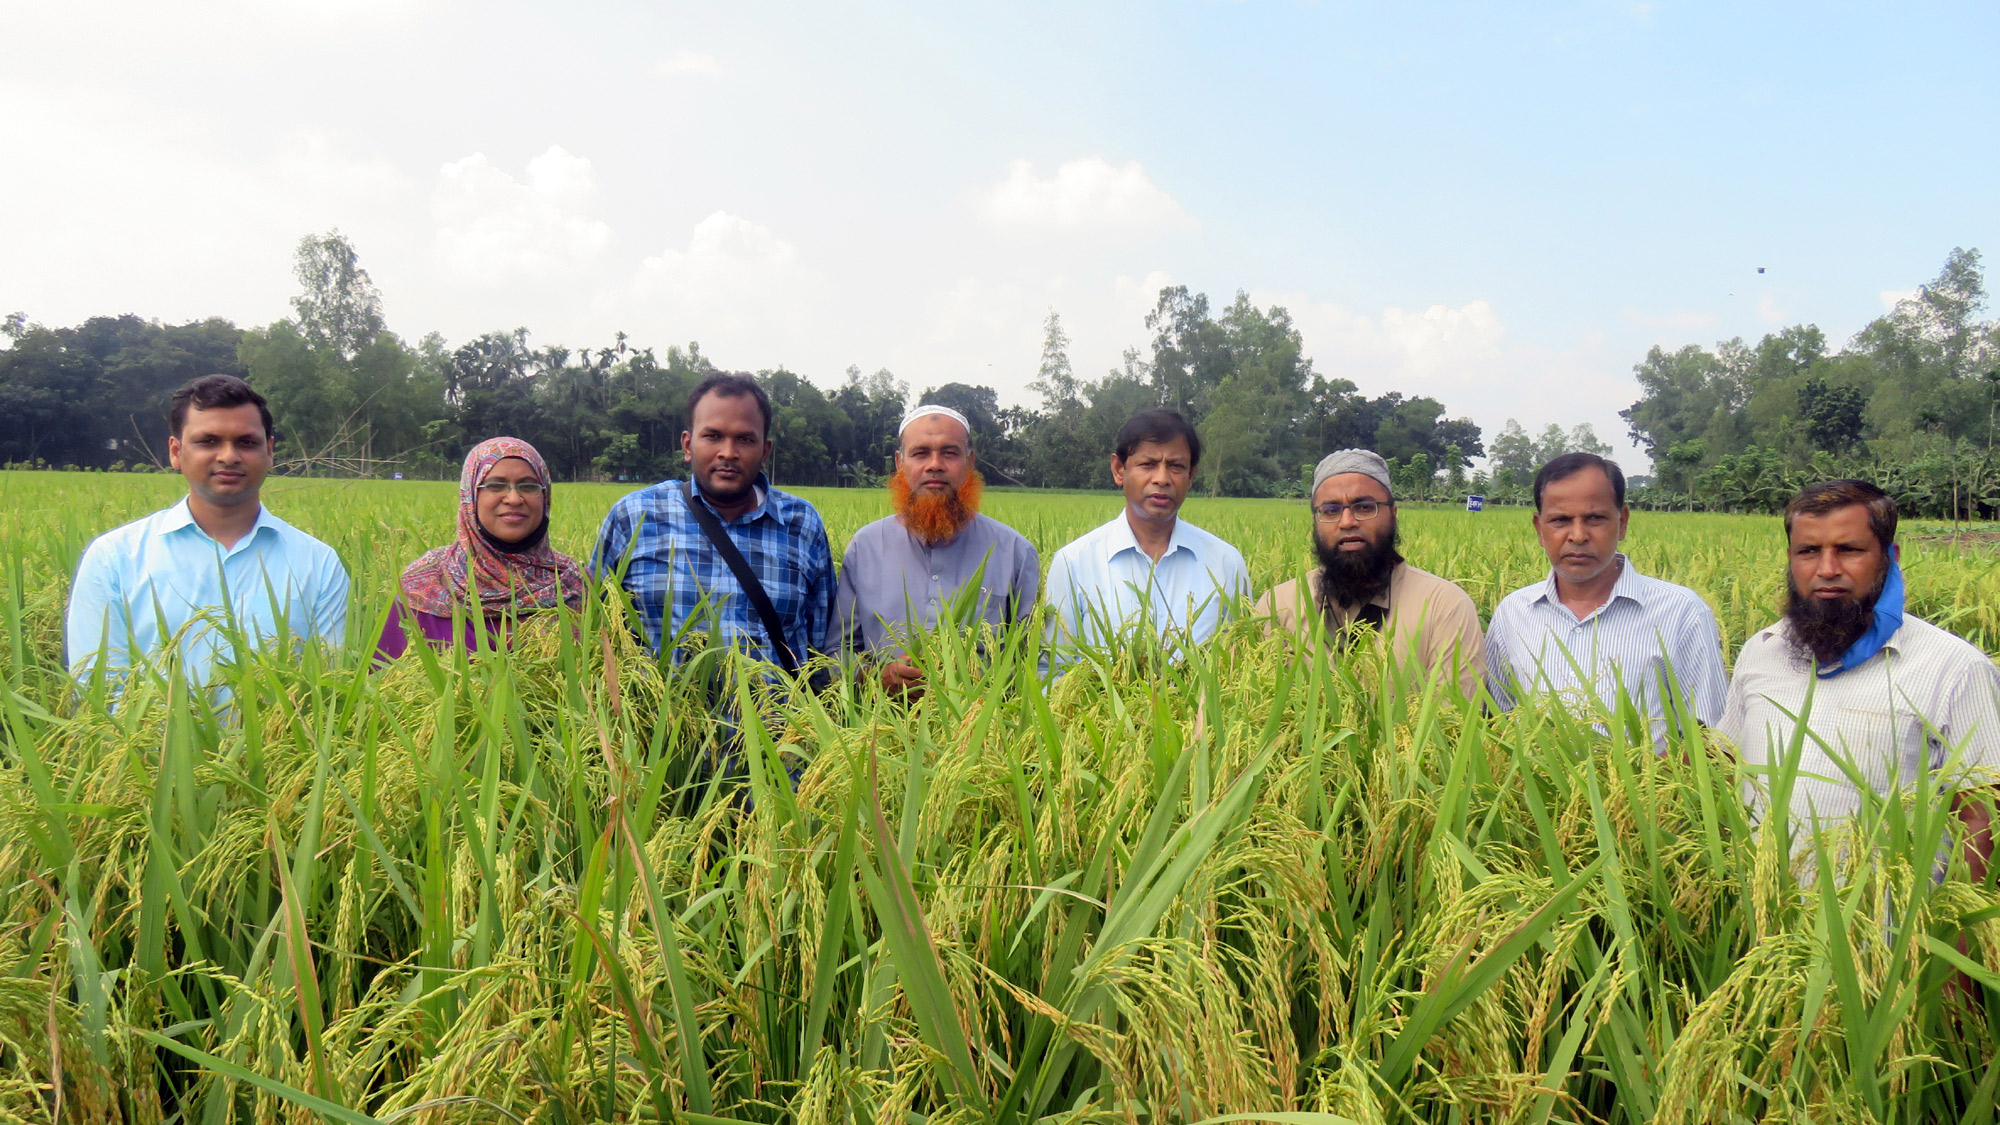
column 354, row 398
column 1910, row 403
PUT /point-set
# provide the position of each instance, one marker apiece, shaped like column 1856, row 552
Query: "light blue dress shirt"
column 159, row 578
column 1536, row 645
column 1105, row 580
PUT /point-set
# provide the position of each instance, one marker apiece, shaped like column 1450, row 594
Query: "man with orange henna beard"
column 906, row 572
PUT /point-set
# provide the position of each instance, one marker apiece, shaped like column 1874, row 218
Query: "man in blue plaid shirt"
column 673, row 566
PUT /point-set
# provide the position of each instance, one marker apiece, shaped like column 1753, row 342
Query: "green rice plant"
column 1253, row 880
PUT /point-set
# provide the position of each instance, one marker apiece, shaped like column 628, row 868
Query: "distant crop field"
column 1735, row 562
column 571, row 884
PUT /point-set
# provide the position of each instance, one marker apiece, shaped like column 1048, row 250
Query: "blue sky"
column 1500, row 206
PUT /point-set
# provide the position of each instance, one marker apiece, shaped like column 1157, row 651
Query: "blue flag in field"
column 1888, row 619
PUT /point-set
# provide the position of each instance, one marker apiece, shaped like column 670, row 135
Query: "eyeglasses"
column 529, row 489
column 1363, row 510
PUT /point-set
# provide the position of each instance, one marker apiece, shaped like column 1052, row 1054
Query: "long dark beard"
column 1824, row 630
column 1353, row 578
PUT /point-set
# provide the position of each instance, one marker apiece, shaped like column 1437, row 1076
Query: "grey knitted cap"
column 1365, row 462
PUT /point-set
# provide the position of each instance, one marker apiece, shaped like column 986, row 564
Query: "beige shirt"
column 1429, row 618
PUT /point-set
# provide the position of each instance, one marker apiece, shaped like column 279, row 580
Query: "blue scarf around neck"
column 1888, row 619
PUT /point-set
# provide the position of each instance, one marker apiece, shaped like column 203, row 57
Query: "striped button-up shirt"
column 1928, row 700
column 1650, row 636
column 674, row 569
column 158, row 579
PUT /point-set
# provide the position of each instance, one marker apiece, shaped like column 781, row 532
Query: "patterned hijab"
column 531, row 576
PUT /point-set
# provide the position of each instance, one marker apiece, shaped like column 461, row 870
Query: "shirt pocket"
column 1884, row 745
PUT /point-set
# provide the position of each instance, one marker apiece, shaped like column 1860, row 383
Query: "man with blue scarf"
column 1893, row 697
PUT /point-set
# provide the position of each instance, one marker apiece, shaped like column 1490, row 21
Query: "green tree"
column 1833, row 415
column 1680, row 397
column 1454, row 470
column 1190, row 356
column 1054, row 380
column 349, row 395
column 1421, row 476
column 1055, row 447
column 97, row 393
column 338, row 308
column 1513, row 457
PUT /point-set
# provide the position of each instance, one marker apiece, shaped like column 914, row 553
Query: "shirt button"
column 934, row 578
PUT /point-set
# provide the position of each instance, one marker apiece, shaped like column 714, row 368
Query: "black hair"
column 1159, row 426
column 1829, row 496
column 1570, row 464
column 731, row 384
column 216, row 392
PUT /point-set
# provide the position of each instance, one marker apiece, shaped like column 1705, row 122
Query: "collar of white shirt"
column 181, row 516
column 1118, row 539
column 1631, row 585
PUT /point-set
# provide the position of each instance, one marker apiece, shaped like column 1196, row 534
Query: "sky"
column 1500, row 206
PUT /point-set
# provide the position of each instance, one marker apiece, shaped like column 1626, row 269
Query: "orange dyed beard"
column 932, row 517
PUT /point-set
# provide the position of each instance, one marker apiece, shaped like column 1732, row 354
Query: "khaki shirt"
column 1429, row 618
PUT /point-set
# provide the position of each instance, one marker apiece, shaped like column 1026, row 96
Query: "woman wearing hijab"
column 500, row 564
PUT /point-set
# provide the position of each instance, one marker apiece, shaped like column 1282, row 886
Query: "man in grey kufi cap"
column 1362, row 580
column 1364, row 461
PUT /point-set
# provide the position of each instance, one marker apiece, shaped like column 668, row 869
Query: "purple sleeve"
column 437, row 630
column 393, row 640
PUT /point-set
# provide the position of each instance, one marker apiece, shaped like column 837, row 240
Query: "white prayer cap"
column 933, row 408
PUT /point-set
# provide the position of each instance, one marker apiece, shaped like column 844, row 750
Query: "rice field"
column 517, row 888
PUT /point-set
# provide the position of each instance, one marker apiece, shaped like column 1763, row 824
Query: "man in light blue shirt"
column 215, row 562
column 1596, row 624
column 1147, row 563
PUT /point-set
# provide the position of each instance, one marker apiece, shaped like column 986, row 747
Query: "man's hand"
column 900, row 677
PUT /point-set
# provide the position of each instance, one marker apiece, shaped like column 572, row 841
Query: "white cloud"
column 974, row 313
column 1893, row 297
column 735, row 277
column 494, row 228
column 339, row 11
column 1465, row 357
column 1768, row 311
column 316, row 162
column 1683, row 322
column 685, row 63
column 1438, row 344
column 1140, row 295
column 1088, row 193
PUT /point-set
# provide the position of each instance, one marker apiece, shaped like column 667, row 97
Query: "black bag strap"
column 745, row 577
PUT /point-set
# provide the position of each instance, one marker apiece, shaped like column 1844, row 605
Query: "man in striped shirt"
column 1893, row 697
column 1597, row 625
